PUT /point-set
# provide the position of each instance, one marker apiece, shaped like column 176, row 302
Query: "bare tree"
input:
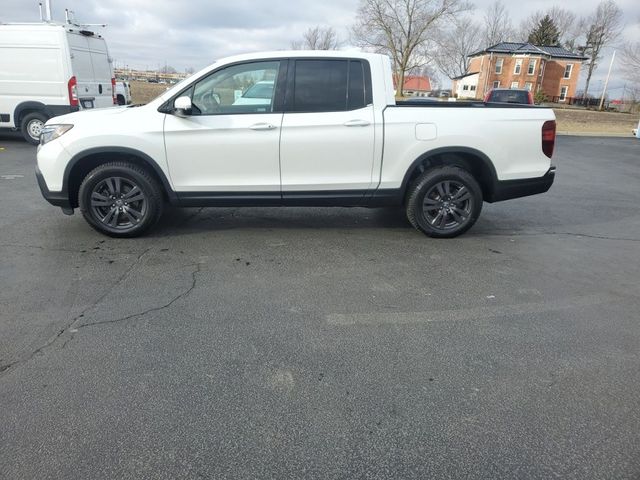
column 455, row 46
column 402, row 29
column 497, row 24
column 631, row 62
column 601, row 28
column 317, row 38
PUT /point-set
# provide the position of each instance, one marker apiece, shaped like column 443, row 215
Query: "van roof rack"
column 69, row 18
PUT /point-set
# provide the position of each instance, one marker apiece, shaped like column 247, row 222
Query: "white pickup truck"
column 321, row 129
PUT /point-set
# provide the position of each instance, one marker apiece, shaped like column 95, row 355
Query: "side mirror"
column 182, row 107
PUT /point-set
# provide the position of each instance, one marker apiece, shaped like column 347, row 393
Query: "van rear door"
column 102, row 71
column 91, row 67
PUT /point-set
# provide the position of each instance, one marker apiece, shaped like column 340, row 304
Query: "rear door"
column 327, row 139
column 92, row 69
column 102, row 71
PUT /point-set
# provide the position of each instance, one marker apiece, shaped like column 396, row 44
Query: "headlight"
column 51, row 132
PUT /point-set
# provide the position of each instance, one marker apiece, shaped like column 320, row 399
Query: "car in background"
column 440, row 93
column 509, row 95
column 260, row 93
column 49, row 69
column 123, row 92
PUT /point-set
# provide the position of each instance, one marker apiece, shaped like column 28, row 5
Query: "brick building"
column 554, row 70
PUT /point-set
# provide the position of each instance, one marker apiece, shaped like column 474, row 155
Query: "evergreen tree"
column 545, row 33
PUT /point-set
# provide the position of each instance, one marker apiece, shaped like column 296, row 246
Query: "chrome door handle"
column 357, row 123
column 262, row 126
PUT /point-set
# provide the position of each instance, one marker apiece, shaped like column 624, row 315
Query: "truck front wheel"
column 120, row 199
column 444, row 202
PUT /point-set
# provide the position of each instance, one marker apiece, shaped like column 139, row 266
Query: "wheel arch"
column 82, row 163
column 474, row 161
column 25, row 108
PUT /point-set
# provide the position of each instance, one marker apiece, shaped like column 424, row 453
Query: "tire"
column 31, row 126
column 120, row 100
column 103, row 199
column 444, row 202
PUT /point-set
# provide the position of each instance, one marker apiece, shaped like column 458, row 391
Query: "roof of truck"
column 300, row 53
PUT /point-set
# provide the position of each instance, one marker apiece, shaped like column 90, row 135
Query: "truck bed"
column 464, row 104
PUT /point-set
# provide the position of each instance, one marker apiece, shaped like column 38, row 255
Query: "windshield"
column 509, row 96
column 260, row 90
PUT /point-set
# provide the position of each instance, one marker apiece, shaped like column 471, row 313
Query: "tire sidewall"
column 423, row 186
column 99, row 174
column 24, row 126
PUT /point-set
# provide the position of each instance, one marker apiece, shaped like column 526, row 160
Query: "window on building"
column 563, row 93
column 496, row 84
column 473, row 88
column 567, row 70
column 532, row 67
column 514, row 84
column 465, row 87
column 499, row 63
column 528, row 86
column 518, row 68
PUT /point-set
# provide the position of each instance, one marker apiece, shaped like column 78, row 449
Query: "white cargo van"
column 49, row 69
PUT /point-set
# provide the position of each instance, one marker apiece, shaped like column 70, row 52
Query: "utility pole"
column 606, row 82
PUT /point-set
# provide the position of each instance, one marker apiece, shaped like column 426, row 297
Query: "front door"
column 230, row 142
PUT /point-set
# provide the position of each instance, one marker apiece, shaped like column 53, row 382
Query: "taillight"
column 487, row 97
column 530, row 98
column 548, row 137
column 113, row 91
column 72, row 85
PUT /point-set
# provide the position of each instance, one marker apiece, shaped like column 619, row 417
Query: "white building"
column 465, row 86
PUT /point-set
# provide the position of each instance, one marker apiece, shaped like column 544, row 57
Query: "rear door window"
column 320, row 86
column 329, row 85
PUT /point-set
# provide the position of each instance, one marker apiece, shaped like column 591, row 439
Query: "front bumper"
column 508, row 189
column 59, row 199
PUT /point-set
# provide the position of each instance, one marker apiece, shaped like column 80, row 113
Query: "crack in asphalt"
column 5, row 367
column 194, row 282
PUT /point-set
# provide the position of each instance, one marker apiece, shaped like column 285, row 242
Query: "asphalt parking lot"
column 327, row 343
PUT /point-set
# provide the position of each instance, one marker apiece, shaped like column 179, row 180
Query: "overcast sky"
column 148, row 33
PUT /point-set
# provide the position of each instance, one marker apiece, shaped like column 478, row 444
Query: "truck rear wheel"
column 31, row 126
column 120, row 199
column 444, row 202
